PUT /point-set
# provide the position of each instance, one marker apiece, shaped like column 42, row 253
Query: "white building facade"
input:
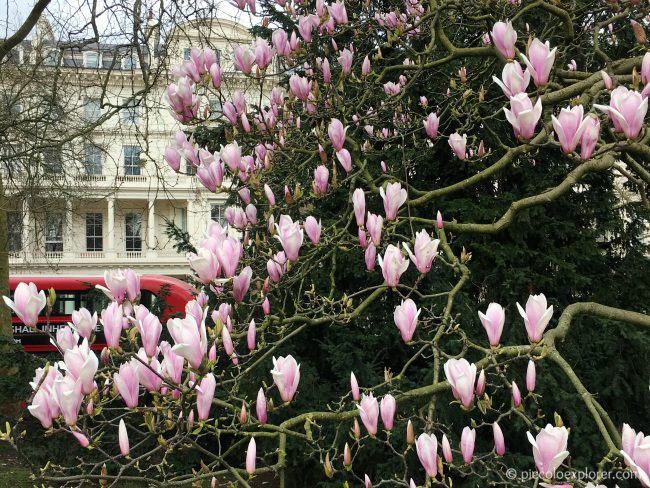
column 122, row 192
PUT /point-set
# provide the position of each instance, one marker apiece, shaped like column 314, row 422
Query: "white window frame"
column 135, row 64
column 85, row 59
column 55, row 240
column 129, row 236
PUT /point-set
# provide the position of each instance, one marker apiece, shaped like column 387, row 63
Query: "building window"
column 217, row 52
column 131, row 160
column 133, row 232
column 93, row 160
column 94, row 232
column 187, row 54
column 130, row 112
column 91, row 59
column 190, row 169
column 217, row 214
column 14, row 232
column 92, row 110
column 183, row 219
column 51, row 58
column 54, row 232
column 52, row 161
column 216, row 109
column 129, row 62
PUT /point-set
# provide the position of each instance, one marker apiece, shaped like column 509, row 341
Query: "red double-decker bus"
column 162, row 294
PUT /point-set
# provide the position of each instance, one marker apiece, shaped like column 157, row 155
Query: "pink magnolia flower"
column 549, row 449
column 121, row 284
column 406, row 319
column 499, row 441
column 480, row 384
column 251, row 453
column 263, row 53
column 589, row 136
column 365, row 66
column 190, row 338
column 27, row 303
column 276, row 266
column 431, row 124
column 504, row 37
column 338, row 13
column 327, row 72
column 251, row 335
column 457, row 144
column 531, row 376
column 387, row 408
column 446, row 449
column 536, row 317
column 627, row 110
column 43, row 407
column 243, row 59
column 300, row 87
column 290, row 236
column 467, row 440
column 336, row 133
column 523, row 116
column 370, row 256
column 636, row 454
column 182, row 100
column 204, row 264
column 645, row 68
column 345, row 60
column 82, row 363
column 228, row 253
column 127, row 384
column 205, row 395
column 149, row 328
column 394, row 197
column 426, row 446
column 112, row 320
column 241, row 283
column 66, row 339
column 369, row 412
column 280, row 41
column 260, row 407
column 359, row 204
column 461, row 377
column 354, row 387
column 516, row 395
column 312, row 228
column 123, row 438
column 321, row 179
column 569, row 126
column 147, row 376
column 345, row 158
column 84, row 323
column 66, row 392
column 514, row 79
column 251, row 213
column 493, row 320
column 425, row 251
column 540, row 61
column 392, row 265
column 286, row 375
column 211, row 175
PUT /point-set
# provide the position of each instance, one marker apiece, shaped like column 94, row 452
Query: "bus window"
column 65, row 304
column 94, row 300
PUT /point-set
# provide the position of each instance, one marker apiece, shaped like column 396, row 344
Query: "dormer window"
column 91, row 59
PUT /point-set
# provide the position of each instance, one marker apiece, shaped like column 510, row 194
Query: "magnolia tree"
column 340, row 170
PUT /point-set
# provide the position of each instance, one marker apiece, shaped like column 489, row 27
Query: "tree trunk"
column 5, row 314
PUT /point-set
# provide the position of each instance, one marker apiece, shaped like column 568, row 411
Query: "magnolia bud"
column 439, row 222
column 410, row 434
column 480, row 383
column 329, row 470
column 243, row 414
column 516, row 395
column 356, row 430
column 347, row 456
column 531, row 375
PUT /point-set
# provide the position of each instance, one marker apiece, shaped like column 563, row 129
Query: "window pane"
column 92, row 110
column 187, row 54
column 131, row 112
column 133, row 232
column 93, row 161
column 91, row 60
column 54, row 232
column 217, row 214
column 131, row 160
column 94, row 232
column 15, row 231
column 52, row 161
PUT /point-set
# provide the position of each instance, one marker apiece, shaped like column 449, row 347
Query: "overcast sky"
column 68, row 14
